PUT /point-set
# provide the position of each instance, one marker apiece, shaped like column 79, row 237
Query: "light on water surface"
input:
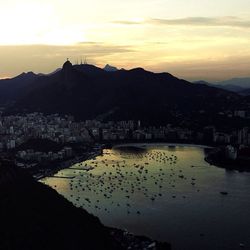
column 167, row 193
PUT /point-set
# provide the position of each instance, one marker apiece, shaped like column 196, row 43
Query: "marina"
column 172, row 189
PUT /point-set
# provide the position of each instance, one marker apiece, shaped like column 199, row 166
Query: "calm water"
column 167, row 193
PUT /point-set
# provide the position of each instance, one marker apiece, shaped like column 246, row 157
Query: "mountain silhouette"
column 35, row 216
column 228, row 87
column 89, row 92
column 110, row 68
column 239, row 82
column 12, row 89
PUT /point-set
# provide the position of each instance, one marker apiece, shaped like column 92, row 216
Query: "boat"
column 224, row 193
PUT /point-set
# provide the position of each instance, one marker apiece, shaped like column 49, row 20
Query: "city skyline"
column 206, row 40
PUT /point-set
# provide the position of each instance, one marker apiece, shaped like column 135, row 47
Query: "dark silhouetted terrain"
column 14, row 88
column 88, row 92
column 35, row 217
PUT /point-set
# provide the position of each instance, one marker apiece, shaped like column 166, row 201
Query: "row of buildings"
column 17, row 129
column 31, row 155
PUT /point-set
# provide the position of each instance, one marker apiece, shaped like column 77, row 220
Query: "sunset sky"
column 205, row 39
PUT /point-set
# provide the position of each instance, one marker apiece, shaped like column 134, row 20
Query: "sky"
column 192, row 39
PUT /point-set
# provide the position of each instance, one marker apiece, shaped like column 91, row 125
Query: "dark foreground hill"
column 34, row 217
column 88, row 92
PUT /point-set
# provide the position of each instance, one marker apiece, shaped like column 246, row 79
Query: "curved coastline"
column 217, row 158
column 173, row 194
column 160, row 144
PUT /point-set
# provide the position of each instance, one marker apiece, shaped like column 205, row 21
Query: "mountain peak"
column 153, row 97
column 26, row 76
column 110, row 68
column 29, row 73
column 139, row 70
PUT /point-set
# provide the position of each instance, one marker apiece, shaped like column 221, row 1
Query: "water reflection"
column 168, row 193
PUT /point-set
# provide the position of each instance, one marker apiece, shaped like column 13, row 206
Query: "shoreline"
column 120, row 233
column 67, row 164
column 216, row 159
column 160, row 144
column 94, row 154
column 43, row 208
column 128, row 239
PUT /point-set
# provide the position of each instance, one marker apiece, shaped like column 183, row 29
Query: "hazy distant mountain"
column 201, row 82
column 239, row 82
column 87, row 92
column 223, row 85
column 230, row 87
column 11, row 89
column 110, row 68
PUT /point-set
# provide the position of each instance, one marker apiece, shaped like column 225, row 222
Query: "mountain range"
column 11, row 89
column 237, row 85
column 110, row 68
column 89, row 92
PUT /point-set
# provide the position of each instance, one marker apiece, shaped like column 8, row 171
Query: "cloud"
column 226, row 21
column 105, row 49
column 208, row 70
column 126, row 22
column 88, row 43
column 46, row 58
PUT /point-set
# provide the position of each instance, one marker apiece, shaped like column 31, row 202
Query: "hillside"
column 88, row 92
column 13, row 88
column 222, row 85
column 34, row 216
column 239, row 82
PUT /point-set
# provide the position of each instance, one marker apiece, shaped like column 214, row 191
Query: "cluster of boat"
column 118, row 179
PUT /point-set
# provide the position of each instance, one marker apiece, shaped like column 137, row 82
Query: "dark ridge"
column 88, row 92
column 90, row 69
column 138, row 70
column 35, row 217
column 13, row 88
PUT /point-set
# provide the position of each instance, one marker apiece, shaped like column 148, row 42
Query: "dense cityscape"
column 66, row 135
column 125, row 125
